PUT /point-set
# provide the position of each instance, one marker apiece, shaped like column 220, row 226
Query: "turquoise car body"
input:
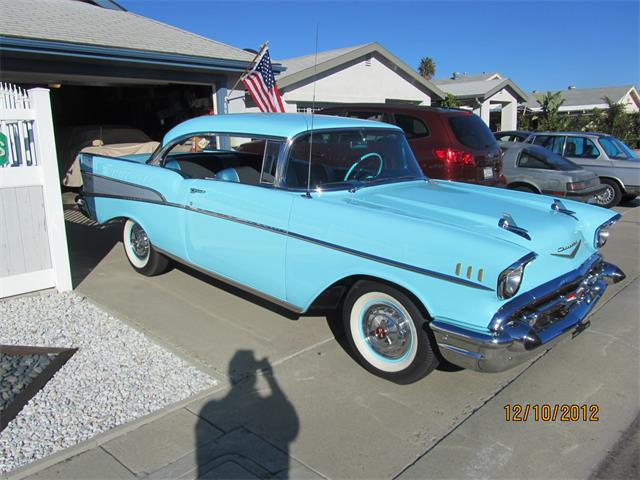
column 439, row 240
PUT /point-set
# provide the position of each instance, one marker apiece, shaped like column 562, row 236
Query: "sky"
column 540, row 45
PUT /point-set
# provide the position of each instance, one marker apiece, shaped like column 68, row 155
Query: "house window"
column 301, row 108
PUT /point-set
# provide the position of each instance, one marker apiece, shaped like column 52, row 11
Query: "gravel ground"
column 116, row 376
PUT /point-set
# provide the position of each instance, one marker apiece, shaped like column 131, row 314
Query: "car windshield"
column 345, row 159
column 616, row 149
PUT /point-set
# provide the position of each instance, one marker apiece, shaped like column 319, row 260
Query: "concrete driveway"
column 322, row 415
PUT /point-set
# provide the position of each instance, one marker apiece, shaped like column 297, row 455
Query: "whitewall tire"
column 140, row 252
column 387, row 333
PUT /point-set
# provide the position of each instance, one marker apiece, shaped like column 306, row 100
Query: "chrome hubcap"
column 387, row 331
column 606, row 196
column 139, row 241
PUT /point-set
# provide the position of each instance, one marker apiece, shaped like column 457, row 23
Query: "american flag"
column 261, row 84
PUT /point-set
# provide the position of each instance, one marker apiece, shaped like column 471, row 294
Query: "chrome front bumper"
column 530, row 323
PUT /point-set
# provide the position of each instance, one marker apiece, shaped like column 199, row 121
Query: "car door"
column 585, row 152
column 625, row 166
column 238, row 232
column 235, row 220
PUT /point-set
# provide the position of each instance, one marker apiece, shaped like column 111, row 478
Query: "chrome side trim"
column 392, row 263
column 233, row 283
column 297, row 236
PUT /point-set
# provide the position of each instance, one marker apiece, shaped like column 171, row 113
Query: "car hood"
column 476, row 208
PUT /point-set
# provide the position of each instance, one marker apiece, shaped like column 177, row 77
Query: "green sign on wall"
column 3, row 149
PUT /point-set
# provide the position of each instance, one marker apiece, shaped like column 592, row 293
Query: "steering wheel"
column 354, row 167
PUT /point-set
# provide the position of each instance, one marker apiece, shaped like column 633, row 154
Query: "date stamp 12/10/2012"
column 545, row 412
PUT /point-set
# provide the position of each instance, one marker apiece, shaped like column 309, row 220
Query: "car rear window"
column 472, row 132
column 412, row 126
column 546, row 160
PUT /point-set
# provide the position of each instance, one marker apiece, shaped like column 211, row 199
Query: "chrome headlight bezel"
column 603, row 231
column 510, row 278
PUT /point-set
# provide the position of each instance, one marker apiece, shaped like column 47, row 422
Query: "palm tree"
column 449, row 101
column 550, row 118
column 614, row 119
column 427, row 68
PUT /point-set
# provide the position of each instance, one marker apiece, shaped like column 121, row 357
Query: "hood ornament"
column 558, row 206
column 508, row 223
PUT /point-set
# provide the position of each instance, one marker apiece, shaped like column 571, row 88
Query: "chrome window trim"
column 297, row 236
column 157, row 157
column 291, row 140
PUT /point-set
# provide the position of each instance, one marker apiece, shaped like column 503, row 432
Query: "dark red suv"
column 448, row 143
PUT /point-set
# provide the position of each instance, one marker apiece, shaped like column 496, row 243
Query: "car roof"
column 593, row 134
column 285, row 125
column 386, row 107
column 522, row 145
column 513, row 132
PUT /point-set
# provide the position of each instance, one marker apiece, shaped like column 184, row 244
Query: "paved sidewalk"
column 314, row 413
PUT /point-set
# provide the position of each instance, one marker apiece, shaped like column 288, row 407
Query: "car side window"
column 581, row 147
column 413, row 127
column 531, row 160
column 374, row 116
column 230, row 158
column 554, row 143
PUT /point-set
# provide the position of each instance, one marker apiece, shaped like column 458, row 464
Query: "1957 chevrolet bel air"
column 291, row 207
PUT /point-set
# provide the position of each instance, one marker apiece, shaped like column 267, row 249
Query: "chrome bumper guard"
column 530, row 323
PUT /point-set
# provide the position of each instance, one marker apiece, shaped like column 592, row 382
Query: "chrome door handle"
column 197, row 190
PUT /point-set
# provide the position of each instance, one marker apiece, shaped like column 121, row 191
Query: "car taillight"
column 449, row 155
column 573, row 186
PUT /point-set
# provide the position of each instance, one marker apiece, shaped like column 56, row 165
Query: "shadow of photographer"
column 241, row 453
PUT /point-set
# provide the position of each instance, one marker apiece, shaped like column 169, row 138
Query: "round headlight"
column 509, row 281
column 603, row 236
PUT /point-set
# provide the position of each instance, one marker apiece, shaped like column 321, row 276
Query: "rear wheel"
column 387, row 333
column 140, row 253
column 611, row 195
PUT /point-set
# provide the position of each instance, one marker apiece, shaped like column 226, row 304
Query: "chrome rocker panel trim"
column 515, row 341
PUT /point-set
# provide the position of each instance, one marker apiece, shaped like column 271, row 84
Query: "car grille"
column 553, row 308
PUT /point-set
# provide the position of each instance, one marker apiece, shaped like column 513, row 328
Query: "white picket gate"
column 33, row 242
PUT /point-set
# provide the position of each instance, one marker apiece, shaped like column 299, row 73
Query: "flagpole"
column 260, row 52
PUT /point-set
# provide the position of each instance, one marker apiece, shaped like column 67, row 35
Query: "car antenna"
column 313, row 107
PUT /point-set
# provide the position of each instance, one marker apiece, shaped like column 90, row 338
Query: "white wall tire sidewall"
column 128, row 247
column 355, row 318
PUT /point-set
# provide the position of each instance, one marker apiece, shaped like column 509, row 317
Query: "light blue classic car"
column 293, row 207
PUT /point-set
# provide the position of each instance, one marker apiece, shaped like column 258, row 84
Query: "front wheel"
column 387, row 333
column 140, row 253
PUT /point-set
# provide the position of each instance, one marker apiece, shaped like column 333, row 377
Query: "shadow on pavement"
column 240, row 453
column 88, row 242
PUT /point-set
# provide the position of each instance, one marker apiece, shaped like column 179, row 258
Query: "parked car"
column 534, row 169
column 72, row 140
column 615, row 163
column 451, row 144
column 512, row 135
column 422, row 268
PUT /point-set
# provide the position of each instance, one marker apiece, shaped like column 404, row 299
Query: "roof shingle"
column 77, row 22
